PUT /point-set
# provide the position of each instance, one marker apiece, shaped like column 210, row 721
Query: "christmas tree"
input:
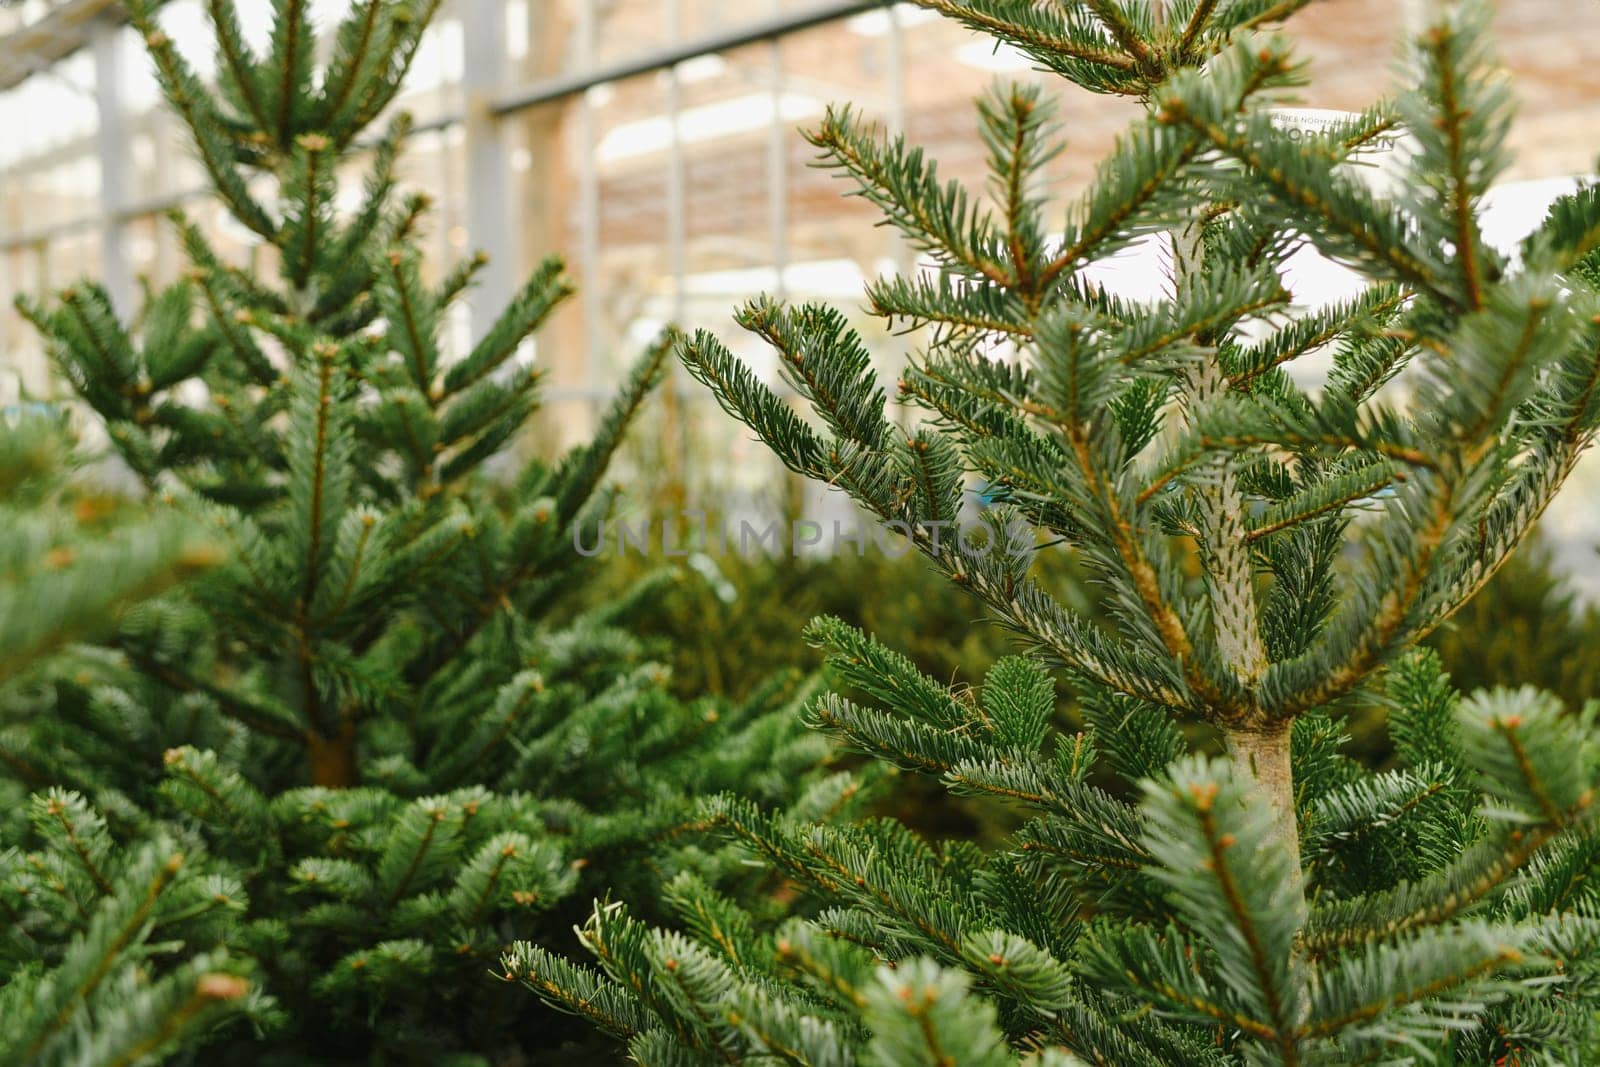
column 1282, row 904
column 379, row 715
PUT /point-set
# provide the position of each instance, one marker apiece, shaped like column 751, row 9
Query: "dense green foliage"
column 88, row 924
column 380, row 718
column 988, row 947
column 1281, row 905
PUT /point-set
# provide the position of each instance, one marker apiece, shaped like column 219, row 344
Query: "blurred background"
column 653, row 143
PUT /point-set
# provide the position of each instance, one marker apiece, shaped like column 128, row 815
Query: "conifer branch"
column 1198, row 19
column 1460, row 194
column 361, row 25
column 1116, row 22
column 1487, row 960
column 289, row 28
column 1031, row 28
column 188, row 98
column 236, row 57
column 1358, row 653
column 937, row 217
column 116, row 924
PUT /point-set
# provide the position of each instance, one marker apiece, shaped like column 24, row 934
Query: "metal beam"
column 111, row 146
column 549, row 89
column 561, row 86
column 67, row 28
column 509, row 102
column 490, row 213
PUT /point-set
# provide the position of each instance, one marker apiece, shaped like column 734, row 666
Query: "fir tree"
column 1283, row 904
column 378, row 714
column 86, row 974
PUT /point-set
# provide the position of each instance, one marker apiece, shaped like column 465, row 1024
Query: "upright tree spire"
column 337, row 438
column 1263, row 474
column 383, row 730
column 1269, row 547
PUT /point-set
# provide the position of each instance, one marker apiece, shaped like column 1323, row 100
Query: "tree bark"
column 1263, row 754
column 333, row 759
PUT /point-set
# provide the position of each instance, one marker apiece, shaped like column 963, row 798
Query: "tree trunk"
column 1264, row 755
column 333, row 759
